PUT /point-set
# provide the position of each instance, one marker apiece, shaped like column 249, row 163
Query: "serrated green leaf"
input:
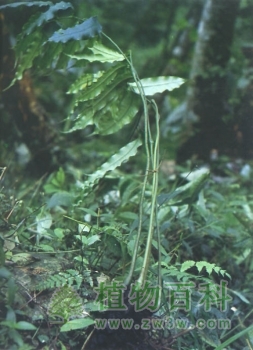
column 39, row 19
column 187, row 265
column 84, row 81
column 210, row 268
column 200, row 265
column 119, row 113
column 102, row 82
column 115, row 161
column 69, row 47
column 27, row 49
column 101, row 54
column 65, row 303
column 53, row 56
column 111, row 106
column 83, row 120
column 29, row 4
column 86, row 30
column 217, row 269
column 156, row 85
column 78, row 323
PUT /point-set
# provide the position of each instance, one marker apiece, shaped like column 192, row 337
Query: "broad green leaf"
column 4, row 273
column 25, row 326
column 87, row 29
column 115, row 161
column 46, row 248
column 82, row 238
column 128, row 215
column 28, row 3
column 186, row 194
column 156, row 85
column 91, row 240
column 44, row 222
column 21, row 325
column 78, row 323
column 60, row 199
column 101, row 54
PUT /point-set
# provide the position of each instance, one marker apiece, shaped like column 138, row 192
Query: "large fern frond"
column 104, row 101
column 44, row 43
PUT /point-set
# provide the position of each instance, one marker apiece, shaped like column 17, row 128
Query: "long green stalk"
column 153, row 210
column 146, row 121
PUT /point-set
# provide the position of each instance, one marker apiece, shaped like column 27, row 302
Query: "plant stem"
column 146, row 137
column 153, row 211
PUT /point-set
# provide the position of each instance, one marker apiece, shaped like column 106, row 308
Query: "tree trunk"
column 32, row 126
column 206, row 95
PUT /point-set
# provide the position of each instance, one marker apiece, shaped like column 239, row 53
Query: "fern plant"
column 106, row 99
column 65, row 304
column 69, row 277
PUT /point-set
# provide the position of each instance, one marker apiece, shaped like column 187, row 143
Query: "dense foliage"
column 115, row 210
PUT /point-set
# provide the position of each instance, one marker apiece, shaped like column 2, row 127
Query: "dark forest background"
column 209, row 43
